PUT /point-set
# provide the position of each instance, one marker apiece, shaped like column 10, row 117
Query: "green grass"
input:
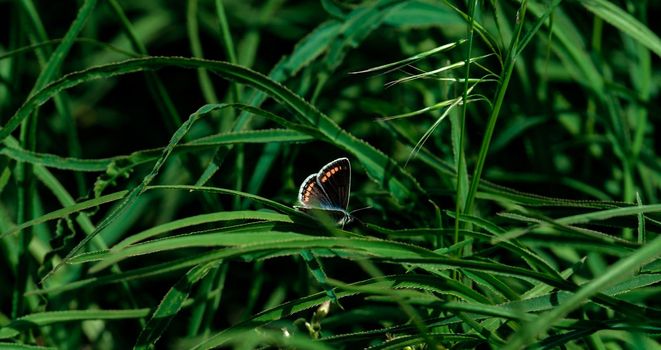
column 151, row 154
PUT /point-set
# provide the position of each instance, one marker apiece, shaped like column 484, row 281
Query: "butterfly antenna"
column 357, row 219
column 367, row 207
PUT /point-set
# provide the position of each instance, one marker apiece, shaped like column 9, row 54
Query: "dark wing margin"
column 311, row 195
column 335, row 180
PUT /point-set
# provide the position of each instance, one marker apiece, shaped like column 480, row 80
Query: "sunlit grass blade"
column 531, row 219
column 619, row 270
column 437, row 71
column 401, row 63
column 387, row 173
column 46, row 318
column 626, row 23
column 201, row 219
column 144, row 156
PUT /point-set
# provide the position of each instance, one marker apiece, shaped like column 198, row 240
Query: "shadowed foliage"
column 151, row 155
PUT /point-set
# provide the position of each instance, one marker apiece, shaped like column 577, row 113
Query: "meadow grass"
column 151, row 155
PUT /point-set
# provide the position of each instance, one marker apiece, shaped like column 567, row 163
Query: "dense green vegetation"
column 151, row 154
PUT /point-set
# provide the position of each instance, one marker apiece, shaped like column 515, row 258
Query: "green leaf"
column 379, row 167
column 40, row 319
column 625, row 22
column 616, row 272
column 170, row 306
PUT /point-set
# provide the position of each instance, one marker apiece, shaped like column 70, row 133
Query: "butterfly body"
column 328, row 191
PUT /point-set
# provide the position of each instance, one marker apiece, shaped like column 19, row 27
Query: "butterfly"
column 328, row 191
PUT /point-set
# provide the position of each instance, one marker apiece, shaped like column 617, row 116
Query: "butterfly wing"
column 311, row 195
column 335, row 181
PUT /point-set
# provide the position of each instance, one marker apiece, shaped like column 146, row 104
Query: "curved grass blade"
column 66, row 211
column 252, row 242
column 133, row 194
column 198, row 220
column 260, row 338
column 18, row 346
column 170, row 306
column 57, row 57
column 385, row 251
column 625, row 22
column 315, row 267
column 41, row 319
column 61, row 213
column 401, row 63
column 506, row 74
column 609, row 213
column 333, row 38
column 375, row 286
column 381, row 168
column 143, row 156
column 616, row 272
column 491, row 191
